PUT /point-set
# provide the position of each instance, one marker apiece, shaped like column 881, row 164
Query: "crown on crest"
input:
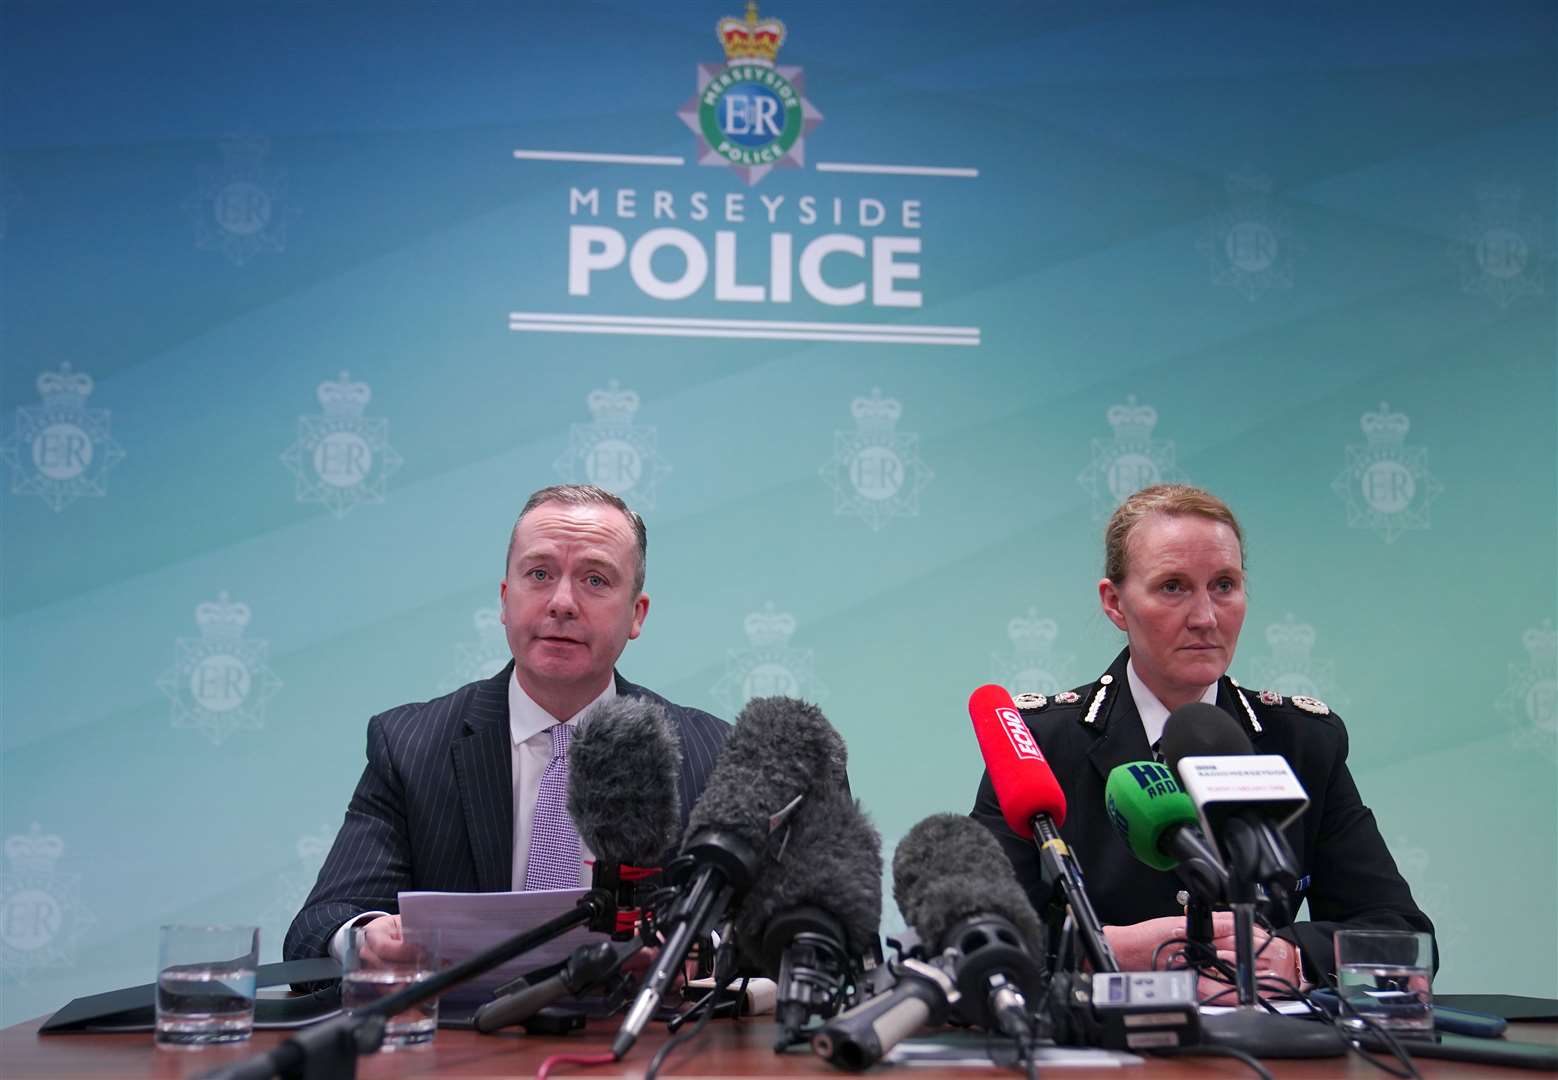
column 876, row 413
column 487, row 620
column 1246, row 183
column 613, row 405
column 1499, row 202
column 64, row 387
column 1290, row 638
column 222, row 617
column 1542, row 643
column 33, row 850
column 1031, row 634
column 750, row 39
column 245, row 153
column 1132, row 421
column 769, row 627
column 342, row 397
column 1385, row 426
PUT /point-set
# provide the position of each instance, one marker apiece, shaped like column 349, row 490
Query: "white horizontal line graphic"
column 896, row 170
column 602, row 159
column 771, row 330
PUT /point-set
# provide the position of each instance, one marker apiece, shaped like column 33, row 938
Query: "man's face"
column 1181, row 603
column 569, row 605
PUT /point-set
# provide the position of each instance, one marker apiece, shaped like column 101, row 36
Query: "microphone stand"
column 329, row 1050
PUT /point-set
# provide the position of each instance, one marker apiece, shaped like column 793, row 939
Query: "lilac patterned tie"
column 554, row 842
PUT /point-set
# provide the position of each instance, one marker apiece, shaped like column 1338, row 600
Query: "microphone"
column 816, row 911
column 780, row 750
column 1244, row 798
column 1158, row 822
column 589, row 964
column 1034, row 807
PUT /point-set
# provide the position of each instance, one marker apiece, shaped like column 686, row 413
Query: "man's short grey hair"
column 586, row 495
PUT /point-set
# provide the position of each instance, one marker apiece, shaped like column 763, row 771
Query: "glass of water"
column 205, row 984
column 373, row 969
column 1386, row 976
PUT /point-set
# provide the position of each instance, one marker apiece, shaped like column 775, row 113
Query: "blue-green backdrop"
column 1304, row 257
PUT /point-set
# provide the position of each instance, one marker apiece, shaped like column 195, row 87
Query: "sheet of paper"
column 931, row 1051
column 472, row 922
column 1285, row 1007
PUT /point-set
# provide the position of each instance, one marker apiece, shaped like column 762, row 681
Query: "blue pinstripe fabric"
column 434, row 808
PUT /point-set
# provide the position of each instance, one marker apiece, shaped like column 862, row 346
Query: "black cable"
column 724, row 952
column 1215, row 1051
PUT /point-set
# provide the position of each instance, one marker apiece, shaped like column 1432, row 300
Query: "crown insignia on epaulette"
column 1067, row 697
column 1270, row 697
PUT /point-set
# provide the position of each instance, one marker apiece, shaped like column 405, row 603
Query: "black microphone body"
column 1059, row 869
column 589, row 964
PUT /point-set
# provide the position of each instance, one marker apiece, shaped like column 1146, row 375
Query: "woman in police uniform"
column 1174, row 582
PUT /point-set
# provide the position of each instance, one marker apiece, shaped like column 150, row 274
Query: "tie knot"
column 561, row 733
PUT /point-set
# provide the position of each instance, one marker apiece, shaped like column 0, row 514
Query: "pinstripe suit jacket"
column 435, row 806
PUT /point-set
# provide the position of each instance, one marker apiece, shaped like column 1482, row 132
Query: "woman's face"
column 1181, row 603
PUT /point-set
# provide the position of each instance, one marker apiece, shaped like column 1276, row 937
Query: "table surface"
column 726, row 1048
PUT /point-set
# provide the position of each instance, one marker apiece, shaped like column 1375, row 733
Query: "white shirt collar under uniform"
column 1154, row 714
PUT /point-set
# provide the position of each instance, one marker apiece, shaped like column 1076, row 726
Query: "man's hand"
column 379, row 943
column 1134, row 945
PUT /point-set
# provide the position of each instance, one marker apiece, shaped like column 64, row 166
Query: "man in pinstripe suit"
column 459, row 793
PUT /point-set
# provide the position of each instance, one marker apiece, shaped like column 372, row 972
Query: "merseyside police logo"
column 41, row 915
column 1033, row 666
column 1386, row 485
column 1530, row 699
column 61, row 450
column 240, row 209
column 1132, row 461
column 1291, row 669
column 220, row 681
column 876, row 471
column 486, row 655
column 297, row 880
column 768, row 666
column 342, row 458
column 611, row 452
column 1250, row 246
column 1498, row 248
column 750, row 114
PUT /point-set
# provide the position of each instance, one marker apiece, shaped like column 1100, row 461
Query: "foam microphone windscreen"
column 949, row 868
column 1025, row 786
column 832, row 861
column 624, row 782
column 780, row 748
column 1145, row 802
column 1201, row 730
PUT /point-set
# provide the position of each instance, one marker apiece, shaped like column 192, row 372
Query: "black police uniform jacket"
column 1346, row 872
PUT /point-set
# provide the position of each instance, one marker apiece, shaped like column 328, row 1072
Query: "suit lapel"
column 1117, row 723
column 484, row 773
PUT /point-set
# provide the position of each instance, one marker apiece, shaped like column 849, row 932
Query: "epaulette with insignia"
column 1030, row 702
column 1067, row 697
column 1311, row 705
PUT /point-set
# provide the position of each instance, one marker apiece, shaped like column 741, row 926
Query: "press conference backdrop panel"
column 301, row 299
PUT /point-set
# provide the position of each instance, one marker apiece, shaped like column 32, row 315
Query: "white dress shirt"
column 1155, row 714
column 531, row 738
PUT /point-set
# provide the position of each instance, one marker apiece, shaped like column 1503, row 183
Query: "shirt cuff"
column 338, row 939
